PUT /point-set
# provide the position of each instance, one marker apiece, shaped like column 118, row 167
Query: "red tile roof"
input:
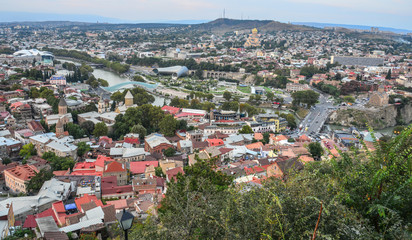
column 139, row 167
column 35, row 126
column 258, row 136
column 304, row 138
column 81, row 166
column 59, row 206
column 117, row 190
column 170, row 109
column 256, row 169
column 86, row 173
column 225, row 150
column 47, row 213
column 24, row 172
column 62, row 172
column 256, row 145
column 172, row 173
column 185, row 114
column 86, row 199
column 30, row 222
column 131, row 140
column 215, row 142
column 114, row 167
column 101, row 159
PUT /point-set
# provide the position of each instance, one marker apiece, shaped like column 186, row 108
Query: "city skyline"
column 394, row 14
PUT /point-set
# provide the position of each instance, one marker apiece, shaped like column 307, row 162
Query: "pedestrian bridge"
column 147, row 86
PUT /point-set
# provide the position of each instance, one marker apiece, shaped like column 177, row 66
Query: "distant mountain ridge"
column 227, row 25
column 362, row 27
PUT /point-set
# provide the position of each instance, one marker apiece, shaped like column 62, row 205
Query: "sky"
column 385, row 13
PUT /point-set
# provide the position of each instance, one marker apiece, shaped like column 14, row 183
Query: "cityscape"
column 219, row 129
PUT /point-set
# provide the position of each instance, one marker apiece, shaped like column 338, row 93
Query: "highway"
column 313, row 122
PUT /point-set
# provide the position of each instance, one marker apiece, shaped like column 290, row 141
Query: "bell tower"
column 62, row 107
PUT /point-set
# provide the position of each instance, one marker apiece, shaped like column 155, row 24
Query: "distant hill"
column 222, row 25
column 91, row 26
column 362, row 27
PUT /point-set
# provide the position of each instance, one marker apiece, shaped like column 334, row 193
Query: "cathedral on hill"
column 253, row 39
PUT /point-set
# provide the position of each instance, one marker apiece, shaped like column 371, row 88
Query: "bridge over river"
column 149, row 87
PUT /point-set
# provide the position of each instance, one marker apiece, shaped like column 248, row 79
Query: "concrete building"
column 9, row 147
column 17, row 178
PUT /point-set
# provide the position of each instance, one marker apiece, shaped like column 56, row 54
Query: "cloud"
column 395, row 13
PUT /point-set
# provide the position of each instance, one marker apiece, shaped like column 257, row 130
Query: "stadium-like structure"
column 175, row 71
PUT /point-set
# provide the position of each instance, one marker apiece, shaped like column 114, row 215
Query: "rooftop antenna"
column 224, row 13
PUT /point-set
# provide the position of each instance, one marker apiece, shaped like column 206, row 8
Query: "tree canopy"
column 100, row 129
column 27, row 151
column 307, row 97
column 36, row 182
column 246, row 129
column 58, row 163
column 362, row 196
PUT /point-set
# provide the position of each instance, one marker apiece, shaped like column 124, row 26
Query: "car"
column 5, row 188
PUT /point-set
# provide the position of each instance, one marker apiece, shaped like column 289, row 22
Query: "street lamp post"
column 125, row 219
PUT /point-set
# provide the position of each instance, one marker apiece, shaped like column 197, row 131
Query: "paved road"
column 313, row 122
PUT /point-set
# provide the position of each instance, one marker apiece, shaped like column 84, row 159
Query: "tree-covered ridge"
column 115, row 66
column 361, row 195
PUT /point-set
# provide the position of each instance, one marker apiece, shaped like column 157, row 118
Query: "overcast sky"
column 386, row 13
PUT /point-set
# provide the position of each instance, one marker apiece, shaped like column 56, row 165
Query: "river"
column 114, row 79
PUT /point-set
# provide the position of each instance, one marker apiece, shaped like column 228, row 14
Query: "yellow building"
column 128, row 102
column 17, row 178
column 128, row 99
column 253, row 40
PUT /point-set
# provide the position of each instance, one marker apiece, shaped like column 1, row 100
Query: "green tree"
column 75, row 130
column 180, row 103
column 100, row 129
column 88, row 126
column 270, row 95
column 199, row 74
column 389, row 75
column 315, row 150
column 117, row 96
column 27, row 151
column 266, row 137
column 246, row 129
column 170, row 152
column 82, row 148
column 139, row 129
column 58, row 163
column 138, row 78
column 5, row 161
column 36, row 182
column 159, row 172
column 168, row 126
column 349, row 99
column 227, row 95
column 398, row 129
column 230, row 106
column 307, row 97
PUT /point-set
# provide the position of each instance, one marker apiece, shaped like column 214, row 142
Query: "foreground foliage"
column 363, row 195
